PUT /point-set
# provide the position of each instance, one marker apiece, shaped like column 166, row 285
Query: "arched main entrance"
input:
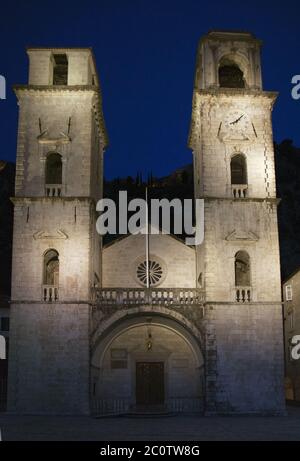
column 147, row 362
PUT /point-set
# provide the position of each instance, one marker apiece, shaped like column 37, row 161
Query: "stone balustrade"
column 153, row 296
column 243, row 294
column 239, row 190
column 126, row 406
column 53, row 190
column 50, row 293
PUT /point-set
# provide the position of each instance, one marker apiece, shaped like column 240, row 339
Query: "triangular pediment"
column 62, row 138
column 239, row 235
column 46, row 235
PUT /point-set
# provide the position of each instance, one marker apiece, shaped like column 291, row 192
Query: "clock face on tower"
column 236, row 125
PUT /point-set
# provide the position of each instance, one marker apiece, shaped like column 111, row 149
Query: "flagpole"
column 147, row 240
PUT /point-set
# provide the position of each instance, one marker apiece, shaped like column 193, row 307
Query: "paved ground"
column 147, row 429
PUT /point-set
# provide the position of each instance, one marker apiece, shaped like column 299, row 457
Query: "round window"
column 156, row 272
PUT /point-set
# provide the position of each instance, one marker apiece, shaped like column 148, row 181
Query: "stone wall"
column 244, row 345
column 120, row 261
column 59, row 224
column 49, row 367
column 54, row 109
column 232, row 226
column 213, row 114
column 245, row 363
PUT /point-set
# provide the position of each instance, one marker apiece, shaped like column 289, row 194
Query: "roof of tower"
column 230, row 35
column 84, row 48
column 61, row 50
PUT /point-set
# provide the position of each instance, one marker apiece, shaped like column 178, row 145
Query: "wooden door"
column 150, row 383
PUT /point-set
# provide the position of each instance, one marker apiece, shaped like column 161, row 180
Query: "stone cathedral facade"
column 87, row 336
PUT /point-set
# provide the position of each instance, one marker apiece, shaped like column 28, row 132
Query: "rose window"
column 155, row 273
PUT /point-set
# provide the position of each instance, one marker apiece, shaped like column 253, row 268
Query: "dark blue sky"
column 145, row 52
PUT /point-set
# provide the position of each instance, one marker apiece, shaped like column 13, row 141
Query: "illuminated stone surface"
column 230, row 343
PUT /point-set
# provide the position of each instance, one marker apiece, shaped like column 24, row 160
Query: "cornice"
column 22, row 199
column 50, row 303
column 273, row 200
column 241, row 92
column 224, row 304
column 230, row 36
column 56, row 88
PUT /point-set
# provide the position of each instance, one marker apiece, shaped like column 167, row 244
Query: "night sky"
column 145, row 53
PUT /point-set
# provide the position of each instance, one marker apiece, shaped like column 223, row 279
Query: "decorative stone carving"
column 43, row 138
column 50, row 235
column 239, row 235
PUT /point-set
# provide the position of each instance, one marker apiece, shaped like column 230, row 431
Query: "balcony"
column 119, row 406
column 50, row 293
column 53, row 190
column 151, row 296
column 239, row 190
column 243, row 294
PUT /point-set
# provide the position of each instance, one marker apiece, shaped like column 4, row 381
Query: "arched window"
column 53, row 169
column 51, row 275
column 53, row 175
column 230, row 75
column 242, row 269
column 238, row 169
column 51, row 268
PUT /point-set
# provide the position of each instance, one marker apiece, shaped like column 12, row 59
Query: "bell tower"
column 56, row 250
column 238, row 262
